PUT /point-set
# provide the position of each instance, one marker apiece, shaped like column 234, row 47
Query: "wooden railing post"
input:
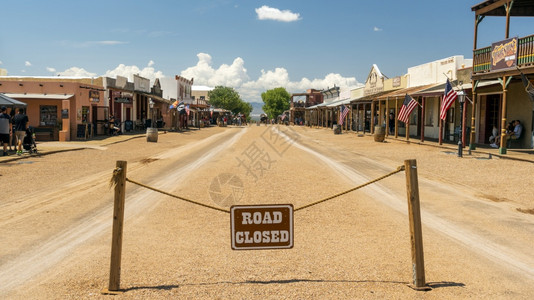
column 118, row 222
column 416, row 234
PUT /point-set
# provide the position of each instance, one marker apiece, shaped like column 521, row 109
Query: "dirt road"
column 58, row 227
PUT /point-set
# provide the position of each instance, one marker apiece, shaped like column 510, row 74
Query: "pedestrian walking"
column 20, row 122
column 5, row 128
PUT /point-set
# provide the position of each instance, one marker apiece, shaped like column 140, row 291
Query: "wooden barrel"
column 337, row 129
column 380, row 133
column 152, row 134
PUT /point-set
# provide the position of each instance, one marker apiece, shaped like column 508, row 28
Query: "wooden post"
column 473, row 119
column 407, row 130
column 464, row 125
column 380, row 117
column 372, row 121
column 423, row 119
column 396, row 117
column 118, row 221
column 387, row 116
column 416, row 234
column 502, row 148
column 440, row 138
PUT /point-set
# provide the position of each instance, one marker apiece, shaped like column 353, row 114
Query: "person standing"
column 5, row 128
column 391, row 123
column 20, row 121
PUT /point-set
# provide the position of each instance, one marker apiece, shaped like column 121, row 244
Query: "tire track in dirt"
column 44, row 256
column 39, row 202
column 501, row 254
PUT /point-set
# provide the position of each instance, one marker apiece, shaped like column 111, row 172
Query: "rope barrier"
column 399, row 169
column 116, row 172
column 178, row 197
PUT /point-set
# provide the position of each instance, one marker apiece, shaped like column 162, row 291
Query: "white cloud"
column 49, row 69
column 270, row 13
column 0, row 62
column 377, row 29
column 228, row 75
column 128, row 71
column 233, row 75
column 76, row 72
column 27, row 64
column 108, row 43
column 87, row 44
column 236, row 76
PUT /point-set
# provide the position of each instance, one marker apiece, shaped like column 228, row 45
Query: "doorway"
column 491, row 111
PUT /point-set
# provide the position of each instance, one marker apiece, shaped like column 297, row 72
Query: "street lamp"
column 461, row 99
column 151, row 104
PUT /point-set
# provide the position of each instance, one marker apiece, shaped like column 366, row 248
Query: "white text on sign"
column 262, row 227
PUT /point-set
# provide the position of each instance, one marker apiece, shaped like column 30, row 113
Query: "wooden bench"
column 515, row 143
column 44, row 133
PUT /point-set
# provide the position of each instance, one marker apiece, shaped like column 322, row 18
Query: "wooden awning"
column 402, row 92
column 520, row 8
column 370, row 97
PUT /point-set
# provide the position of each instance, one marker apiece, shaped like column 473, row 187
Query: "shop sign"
column 504, row 54
column 65, row 113
column 123, row 100
column 255, row 227
column 373, row 85
column 122, row 97
column 94, row 96
column 396, row 81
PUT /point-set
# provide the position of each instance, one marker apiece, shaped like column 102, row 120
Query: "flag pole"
column 455, row 85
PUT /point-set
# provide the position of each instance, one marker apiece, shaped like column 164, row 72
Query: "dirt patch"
column 493, row 198
column 526, row 210
column 148, row 160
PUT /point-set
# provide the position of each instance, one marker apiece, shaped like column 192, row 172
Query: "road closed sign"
column 262, row 226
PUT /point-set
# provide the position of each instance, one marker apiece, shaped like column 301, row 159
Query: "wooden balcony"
column 482, row 56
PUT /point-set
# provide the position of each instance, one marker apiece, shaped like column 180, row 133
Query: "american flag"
column 407, row 107
column 343, row 111
column 187, row 110
column 448, row 99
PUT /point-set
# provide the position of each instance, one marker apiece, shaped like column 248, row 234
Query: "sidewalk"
column 49, row 147
column 526, row 155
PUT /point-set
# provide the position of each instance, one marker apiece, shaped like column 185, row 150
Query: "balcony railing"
column 298, row 104
column 482, row 56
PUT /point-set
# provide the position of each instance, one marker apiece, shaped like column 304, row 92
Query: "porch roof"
column 410, row 91
column 439, row 89
column 520, row 8
column 369, row 98
column 39, row 96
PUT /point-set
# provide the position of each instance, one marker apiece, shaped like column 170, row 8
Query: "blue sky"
column 249, row 45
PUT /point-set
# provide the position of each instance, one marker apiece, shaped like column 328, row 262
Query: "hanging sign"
column 504, row 54
column 94, row 96
column 256, row 227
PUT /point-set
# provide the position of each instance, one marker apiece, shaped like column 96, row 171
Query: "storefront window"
column 413, row 117
column 85, row 114
column 429, row 113
column 48, row 115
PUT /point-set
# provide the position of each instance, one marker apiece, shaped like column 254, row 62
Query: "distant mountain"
column 256, row 110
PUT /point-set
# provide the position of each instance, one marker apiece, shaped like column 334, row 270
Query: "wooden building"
column 504, row 60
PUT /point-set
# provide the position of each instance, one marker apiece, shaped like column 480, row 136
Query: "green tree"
column 276, row 102
column 225, row 97
column 228, row 98
column 246, row 108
